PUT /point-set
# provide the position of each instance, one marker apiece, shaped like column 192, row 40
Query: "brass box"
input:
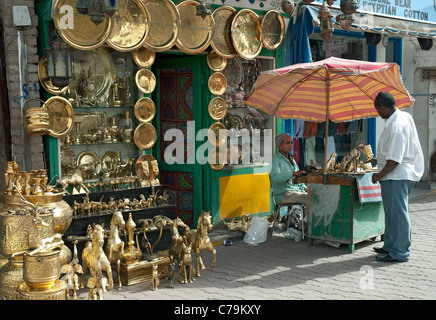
column 141, row 271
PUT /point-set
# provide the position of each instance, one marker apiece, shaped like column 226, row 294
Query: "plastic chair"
column 278, row 206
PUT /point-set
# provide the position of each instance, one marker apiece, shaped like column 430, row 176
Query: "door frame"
column 196, row 62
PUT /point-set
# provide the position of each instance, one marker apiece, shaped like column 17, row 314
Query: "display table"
column 335, row 212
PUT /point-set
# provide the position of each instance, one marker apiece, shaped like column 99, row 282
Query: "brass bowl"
column 144, row 57
column 145, row 81
column 41, row 270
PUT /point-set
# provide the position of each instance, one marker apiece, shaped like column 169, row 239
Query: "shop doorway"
column 178, row 98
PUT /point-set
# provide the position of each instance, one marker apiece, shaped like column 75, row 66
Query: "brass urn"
column 41, row 270
column 11, row 275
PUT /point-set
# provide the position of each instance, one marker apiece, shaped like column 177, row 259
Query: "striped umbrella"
column 332, row 89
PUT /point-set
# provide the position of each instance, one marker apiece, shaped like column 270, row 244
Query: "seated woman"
column 283, row 170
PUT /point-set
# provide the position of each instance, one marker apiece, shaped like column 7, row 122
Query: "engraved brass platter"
column 195, row 31
column 87, row 157
column 213, row 134
column 217, row 108
column 145, row 81
column 246, row 34
column 222, row 42
column 216, row 159
column 273, row 30
column 164, row 25
column 130, row 26
column 109, row 161
column 45, row 80
column 84, row 34
column 61, row 116
column 145, row 136
column 217, row 83
column 143, row 57
column 215, row 61
column 145, row 109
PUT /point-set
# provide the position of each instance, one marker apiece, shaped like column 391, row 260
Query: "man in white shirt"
column 400, row 163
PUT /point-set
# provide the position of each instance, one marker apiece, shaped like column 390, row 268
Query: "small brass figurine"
column 200, row 240
column 243, row 224
column 115, row 246
column 154, row 278
column 97, row 286
column 186, row 263
column 330, row 166
column 176, row 239
column 75, row 179
column 71, row 278
column 94, row 259
column 154, row 170
column 351, row 160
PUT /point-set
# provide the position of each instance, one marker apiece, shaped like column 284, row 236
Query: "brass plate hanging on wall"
column 143, row 57
column 130, row 26
column 222, row 42
column 246, row 34
column 145, row 136
column 217, row 108
column 145, row 109
column 215, row 61
column 217, row 83
column 61, row 116
column 145, row 81
column 195, row 32
column 273, row 30
column 164, row 25
column 213, row 135
column 45, row 80
column 77, row 29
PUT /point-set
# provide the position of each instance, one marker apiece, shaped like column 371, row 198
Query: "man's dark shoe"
column 380, row 250
column 387, row 258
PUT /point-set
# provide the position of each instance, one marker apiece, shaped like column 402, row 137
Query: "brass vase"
column 11, row 275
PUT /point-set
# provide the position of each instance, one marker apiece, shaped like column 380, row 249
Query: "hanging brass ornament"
column 345, row 20
column 348, row 7
column 288, row 6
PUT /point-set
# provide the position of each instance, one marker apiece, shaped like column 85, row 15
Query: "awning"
column 367, row 22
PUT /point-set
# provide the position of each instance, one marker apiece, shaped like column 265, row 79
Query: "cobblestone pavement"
column 284, row 269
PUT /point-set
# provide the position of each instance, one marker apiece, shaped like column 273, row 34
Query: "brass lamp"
column 59, row 63
column 97, row 9
column 349, row 6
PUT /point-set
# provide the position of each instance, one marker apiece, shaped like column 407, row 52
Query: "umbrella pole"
column 326, row 126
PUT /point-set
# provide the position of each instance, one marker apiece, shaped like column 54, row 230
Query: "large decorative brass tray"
column 61, row 116
column 273, row 30
column 88, row 157
column 45, row 80
column 143, row 57
column 84, row 34
column 217, row 108
column 164, row 25
column 145, row 109
column 130, row 26
column 145, row 136
column 109, row 161
column 246, row 34
column 222, row 42
column 195, row 31
column 94, row 69
column 145, row 81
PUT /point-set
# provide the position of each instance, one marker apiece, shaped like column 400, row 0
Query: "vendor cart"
column 336, row 213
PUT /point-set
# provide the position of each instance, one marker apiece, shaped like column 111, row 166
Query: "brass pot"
column 41, row 270
column 11, row 275
column 62, row 214
column 14, row 231
column 57, row 292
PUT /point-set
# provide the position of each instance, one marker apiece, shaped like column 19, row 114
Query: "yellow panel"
column 244, row 194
